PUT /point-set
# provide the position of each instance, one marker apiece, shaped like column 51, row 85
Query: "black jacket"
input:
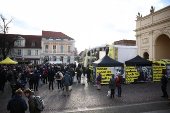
column 51, row 75
column 164, row 81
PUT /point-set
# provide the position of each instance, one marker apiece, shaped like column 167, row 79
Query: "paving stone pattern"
column 84, row 97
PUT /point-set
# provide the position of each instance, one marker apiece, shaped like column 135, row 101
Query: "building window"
column 18, row 43
column 29, row 52
column 33, row 44
column 69, row 49
column 19, row 52
column 36, row 52
column 54, row 48
column 61, row 48
column 46, row 47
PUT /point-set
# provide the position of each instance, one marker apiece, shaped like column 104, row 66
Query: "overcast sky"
column 90, row 22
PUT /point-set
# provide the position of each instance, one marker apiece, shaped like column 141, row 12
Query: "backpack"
column 112, row 82
column 58, row 76
column 44, row 73
column 39, row 103
column 121, row 80
column 16, row 106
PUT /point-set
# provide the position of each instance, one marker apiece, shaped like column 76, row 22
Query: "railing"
column 57, row 52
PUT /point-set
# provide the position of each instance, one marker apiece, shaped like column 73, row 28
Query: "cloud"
column 90, row 22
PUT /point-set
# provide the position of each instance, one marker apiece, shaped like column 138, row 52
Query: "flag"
column 111, row 51
column 85, row 61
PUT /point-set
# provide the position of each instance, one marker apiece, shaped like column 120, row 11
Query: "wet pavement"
column 136, row 98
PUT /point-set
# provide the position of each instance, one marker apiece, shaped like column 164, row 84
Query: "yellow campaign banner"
column 106, row 74
column 91, row 74
column 157, row 72
column 111, row 51
column 131, row 74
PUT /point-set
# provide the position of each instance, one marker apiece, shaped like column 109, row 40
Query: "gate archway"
column 162, row 46
column 146, row 55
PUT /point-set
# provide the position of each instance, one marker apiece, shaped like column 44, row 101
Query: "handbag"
column 108, row 93
column 98, row 82
column 82, row 75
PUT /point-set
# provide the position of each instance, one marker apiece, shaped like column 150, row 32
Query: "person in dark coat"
column 51, row 75
column 36, row 80
column 15, row 84
column 17, row 104
column 31, row 80
column 3, row 80
column 66, row 82
column 78, row 74
column 112, row 85
column 164, row 81
column 31, row 101
column 88, row 71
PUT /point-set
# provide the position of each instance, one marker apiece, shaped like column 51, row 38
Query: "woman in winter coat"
column 112, row 86
column 98, row 81
column 59, row 80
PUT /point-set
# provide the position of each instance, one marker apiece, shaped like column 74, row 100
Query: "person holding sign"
column 164, row 81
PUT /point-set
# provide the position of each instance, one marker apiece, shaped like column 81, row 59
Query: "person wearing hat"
column 164, row 81
column 17, row 104
column 31, row 101
column 119, row 84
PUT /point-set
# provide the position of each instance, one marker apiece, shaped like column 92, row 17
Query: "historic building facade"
column 51, row 46
column 153, row 34
column 27, row 47
column 57, row 46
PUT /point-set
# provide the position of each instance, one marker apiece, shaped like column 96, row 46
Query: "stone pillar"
column 71, row 59
column 57, row 58
column 64, row 59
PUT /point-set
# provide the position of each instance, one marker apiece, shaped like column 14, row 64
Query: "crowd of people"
column 17, row 76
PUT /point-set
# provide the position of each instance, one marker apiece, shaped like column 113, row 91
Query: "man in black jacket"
column 164, row 81
column 51, row 75
column 88, row 71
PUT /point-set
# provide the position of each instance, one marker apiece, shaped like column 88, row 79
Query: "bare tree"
column 6, row 43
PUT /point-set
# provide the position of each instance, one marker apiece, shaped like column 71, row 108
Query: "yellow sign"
column 157, row 72
column 131, row 74
column 111, row 51
column 106, row 74
column 91, row 74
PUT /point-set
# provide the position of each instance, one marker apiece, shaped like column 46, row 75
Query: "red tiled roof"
column 29, row 39
column 48, row 34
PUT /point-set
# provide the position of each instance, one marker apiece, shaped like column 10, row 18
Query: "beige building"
column 153, row 34
column 57, row 46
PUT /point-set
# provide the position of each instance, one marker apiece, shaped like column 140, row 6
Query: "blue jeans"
column 119, row 90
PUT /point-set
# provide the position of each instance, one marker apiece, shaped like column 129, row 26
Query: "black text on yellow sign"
column 131, row 74
column 157, row 72
column 106, row 74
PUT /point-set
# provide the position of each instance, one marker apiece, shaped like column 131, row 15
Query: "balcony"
column 56, row 52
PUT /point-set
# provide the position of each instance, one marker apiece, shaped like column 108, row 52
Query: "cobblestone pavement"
column 138, row 97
